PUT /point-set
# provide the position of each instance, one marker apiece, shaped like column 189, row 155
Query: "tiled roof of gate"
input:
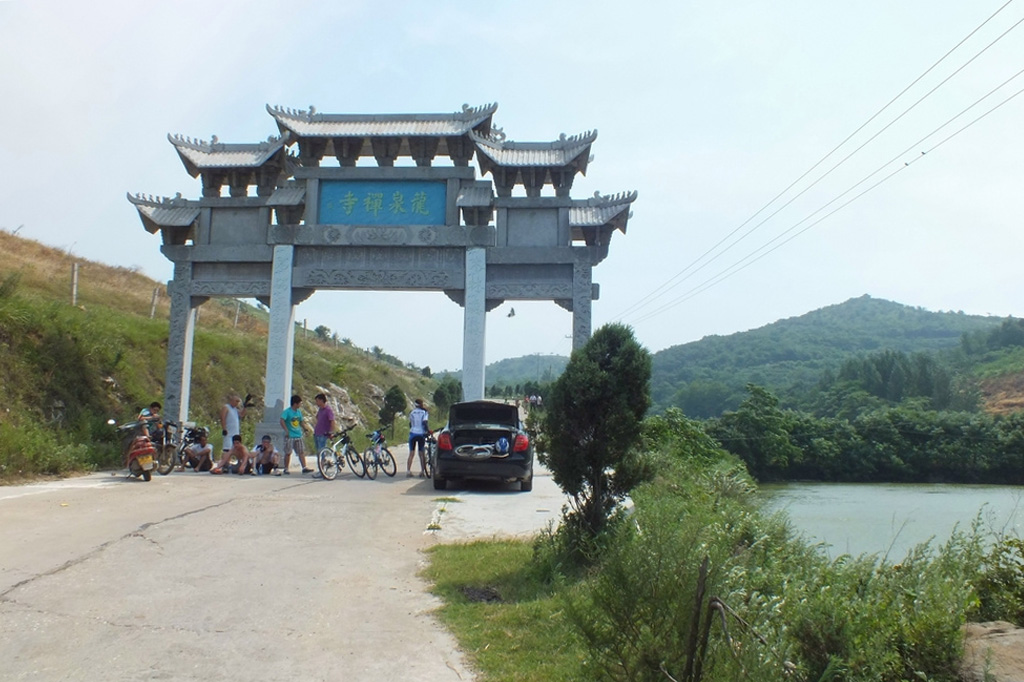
column 165, row 212
column 562, row 152
column 200, row 154
column 471, row 197
column 602, row 210
column 287, row 196
column 310, row 123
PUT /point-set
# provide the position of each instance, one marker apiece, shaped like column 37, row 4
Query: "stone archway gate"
column 292, row 225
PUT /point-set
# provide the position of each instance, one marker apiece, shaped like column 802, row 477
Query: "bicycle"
column 330, row 460
column 377, row 456
column 428, row 455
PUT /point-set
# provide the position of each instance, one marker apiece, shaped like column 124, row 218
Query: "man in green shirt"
column 294, row 426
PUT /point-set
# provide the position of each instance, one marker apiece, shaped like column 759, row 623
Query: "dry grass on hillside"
column 47, row 271
column 1003, row 394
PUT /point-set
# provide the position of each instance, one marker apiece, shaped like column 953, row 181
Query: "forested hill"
column 704, row 377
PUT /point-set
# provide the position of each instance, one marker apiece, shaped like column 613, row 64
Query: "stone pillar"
column 475, row 324
column 178, row 378
column 582, row 302
column 280, row 346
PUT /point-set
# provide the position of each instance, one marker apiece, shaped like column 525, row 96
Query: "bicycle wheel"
column 428, row 461
column 371, row 464
column 355, row 462
column 166, row 460
column 387, row 462
column 327, row 462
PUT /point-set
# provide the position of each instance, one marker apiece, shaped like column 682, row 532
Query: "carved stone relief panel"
column 250, row 289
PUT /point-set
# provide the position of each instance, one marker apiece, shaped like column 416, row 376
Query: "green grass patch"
column 507, row 616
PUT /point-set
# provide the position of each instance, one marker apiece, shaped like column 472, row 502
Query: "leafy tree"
column 394, row 402
column 323, row 333
column 592, row 426
column 758, row 432
column 448, row 392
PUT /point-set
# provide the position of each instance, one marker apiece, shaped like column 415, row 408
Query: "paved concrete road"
column 200, row 577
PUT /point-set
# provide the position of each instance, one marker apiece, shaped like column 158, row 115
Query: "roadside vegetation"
column 66, row 369
column 693, row 582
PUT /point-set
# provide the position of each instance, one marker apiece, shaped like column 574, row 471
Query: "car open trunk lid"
column 483, row 413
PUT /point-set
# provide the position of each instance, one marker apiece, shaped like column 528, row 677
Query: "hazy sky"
column 708, row 109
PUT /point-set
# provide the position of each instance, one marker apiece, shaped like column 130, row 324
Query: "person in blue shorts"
column 418, row 431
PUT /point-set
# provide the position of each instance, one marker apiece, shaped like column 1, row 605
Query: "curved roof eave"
column 310, row 123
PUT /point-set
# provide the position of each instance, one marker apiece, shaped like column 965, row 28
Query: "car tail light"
column 444, row 441
column 521, row 443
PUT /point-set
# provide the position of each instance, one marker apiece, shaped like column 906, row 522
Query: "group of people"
column 264, row 458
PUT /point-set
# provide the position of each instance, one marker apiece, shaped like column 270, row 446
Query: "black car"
column 484, row 439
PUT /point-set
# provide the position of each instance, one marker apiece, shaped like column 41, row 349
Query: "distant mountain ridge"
column 795, row 351
column 536, row 368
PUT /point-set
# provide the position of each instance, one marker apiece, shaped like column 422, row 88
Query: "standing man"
column 325, row 425
column 231, row 419
column 417, row 436
column 294, row 427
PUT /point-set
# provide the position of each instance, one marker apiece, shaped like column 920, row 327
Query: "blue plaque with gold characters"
column 373, row 202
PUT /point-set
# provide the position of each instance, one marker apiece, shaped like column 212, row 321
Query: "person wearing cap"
column 417, row 436
column 266, row 457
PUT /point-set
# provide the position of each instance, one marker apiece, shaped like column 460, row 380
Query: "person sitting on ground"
column 266, row 457
column 199, row 455
column 237, row 452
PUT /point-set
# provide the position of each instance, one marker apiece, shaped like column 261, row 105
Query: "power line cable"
column 672, row 283
column 753, row 257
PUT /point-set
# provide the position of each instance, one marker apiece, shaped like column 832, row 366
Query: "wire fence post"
column 152, row 305
column 238, row 308
column 74, row 284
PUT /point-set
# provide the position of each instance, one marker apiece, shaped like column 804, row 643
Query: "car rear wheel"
column 439, row 483
column 526, row 484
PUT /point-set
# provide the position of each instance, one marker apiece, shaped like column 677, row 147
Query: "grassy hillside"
column 791, row 355
column 65, row 369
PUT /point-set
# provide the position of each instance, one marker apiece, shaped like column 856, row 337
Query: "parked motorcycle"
column 142, row 455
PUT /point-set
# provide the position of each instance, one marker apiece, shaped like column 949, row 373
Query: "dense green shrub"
column 771, row 606
column 1001, row 585
column 591, row 429
column 908, row 443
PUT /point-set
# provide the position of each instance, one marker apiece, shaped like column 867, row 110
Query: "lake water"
column 890, row 519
